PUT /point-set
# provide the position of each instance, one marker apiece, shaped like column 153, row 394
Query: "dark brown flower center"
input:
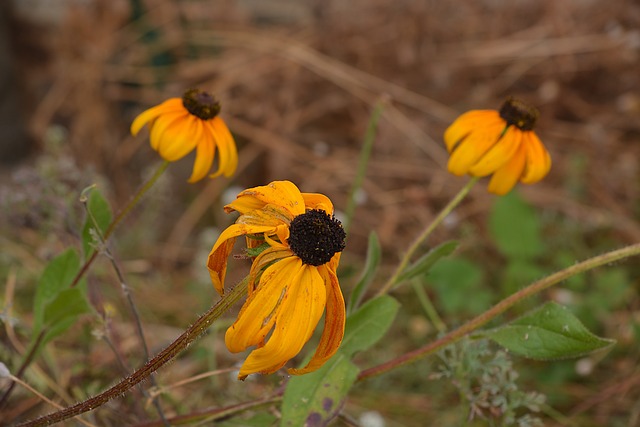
column 315, row 236
column 200, row 104
column 519, row 114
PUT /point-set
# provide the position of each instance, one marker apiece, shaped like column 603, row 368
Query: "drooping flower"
column 180, row 125
column 502, row 143
column 292, row 280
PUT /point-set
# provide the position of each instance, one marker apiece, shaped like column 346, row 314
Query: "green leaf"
column 69, row 303
column 458, row 284
column 367, row 325
column 57, row 276
column 515, row 227
column 424, row 264
column 98, row 215
column 315, row 398
column 549, row 332
column 370, row 268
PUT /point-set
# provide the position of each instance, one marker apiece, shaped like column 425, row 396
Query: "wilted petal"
column 262, row 308
column 334, row 322
column 297, row 318
column 318, row 201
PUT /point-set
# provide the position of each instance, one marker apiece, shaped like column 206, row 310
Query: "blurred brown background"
column 298, row 80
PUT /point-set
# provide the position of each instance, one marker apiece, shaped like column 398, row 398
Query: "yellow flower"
column 502, row 143
column 178, row 126
column 291, row 281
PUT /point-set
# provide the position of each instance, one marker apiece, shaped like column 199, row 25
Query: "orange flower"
column 291, row 281
column 178, row 126
column 502, row 143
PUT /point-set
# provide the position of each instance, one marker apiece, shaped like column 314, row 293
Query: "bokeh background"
column 298, row 81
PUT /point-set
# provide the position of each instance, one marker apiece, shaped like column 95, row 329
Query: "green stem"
column 363, row 162
column 501, row 307
column 134, row 201
column 166, row 355
column 428, row 307
column 426, row 233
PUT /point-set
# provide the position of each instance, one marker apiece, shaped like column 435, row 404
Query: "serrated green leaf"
column 98, row 214
column 515, row 227
column 57, row 276
column 549, row 332
column 314, row 399
column 424, row 263
column 368, row 324
column 368, row 273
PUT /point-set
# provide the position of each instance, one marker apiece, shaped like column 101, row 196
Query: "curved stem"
column 500, row 308
column 134, row 201
column 426, row 233
column 166, row 355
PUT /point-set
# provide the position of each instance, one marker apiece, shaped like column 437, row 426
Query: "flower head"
column 502, row 143
column 292, row 280
column 180, row 125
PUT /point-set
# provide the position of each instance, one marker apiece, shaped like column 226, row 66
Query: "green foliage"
column 368, row 325
column 63, row 311
column 486, row 382
column 515, row 227
column 458, row 283
column 315, row 398
column 261, row 419
column 374, row 254
column 422, row 266
column 549, row 332
column 98, row 215
column 56, row 305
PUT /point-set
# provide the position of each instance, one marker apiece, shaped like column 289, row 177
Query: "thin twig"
column 166, row 355
column 17, row 380
column 132, row 306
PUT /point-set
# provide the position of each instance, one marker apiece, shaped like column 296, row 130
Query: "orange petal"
column 270, row 215
column 297, row 318
column 227, row 147
column 499, row 154
column 318, row 201
column 236, row 230
column 217, row 263
column 334, row 322
column 474, row 146
column 278, row 193
column 261, row 310
column 538, row 159
column 161, row 124
column 168, row 106
column 467, row 123
column 205, row 153
column 180, row 139
column 506, row 177
column 263, row 260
